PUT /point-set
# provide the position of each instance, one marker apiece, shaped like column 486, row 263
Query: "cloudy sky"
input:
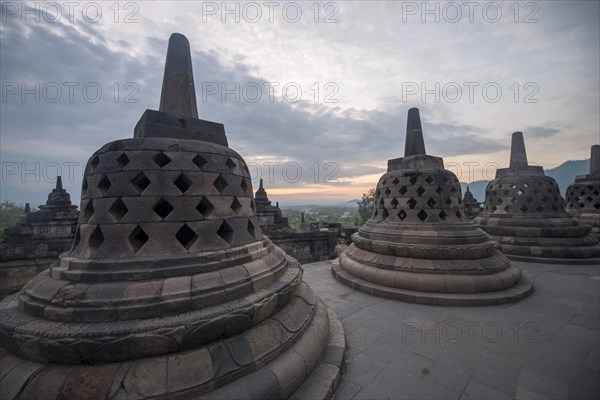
column 313, row 95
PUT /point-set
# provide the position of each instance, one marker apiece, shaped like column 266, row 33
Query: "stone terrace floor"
column 544, row 347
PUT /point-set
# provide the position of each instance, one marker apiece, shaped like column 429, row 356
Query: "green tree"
column 9, row 214
column 365, row 206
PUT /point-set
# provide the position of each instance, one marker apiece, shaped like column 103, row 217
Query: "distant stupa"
column 583, row 195
column 419, row 246
column 524, row 212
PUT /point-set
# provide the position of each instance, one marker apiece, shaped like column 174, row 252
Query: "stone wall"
column 14, row 274
column 307, row 247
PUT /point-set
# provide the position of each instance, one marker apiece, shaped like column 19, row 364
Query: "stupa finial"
column 59, row 183
column 27, row 208
column 414, row 134
column 260, row 186
column 595, row 160
column 518, row 156
column 178, row 96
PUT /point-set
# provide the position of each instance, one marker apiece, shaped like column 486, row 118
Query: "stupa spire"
column 178, row 96
column 518, row 155
column 595, row 160
column 260, row 186
column 59, row 183
column 414, row 134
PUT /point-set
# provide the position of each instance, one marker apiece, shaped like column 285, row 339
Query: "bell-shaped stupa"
column 472, row 206
column 419, row 246
column 524, row 212
column 583, row 196
column 170, row 289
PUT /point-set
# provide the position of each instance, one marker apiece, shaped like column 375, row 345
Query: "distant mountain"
column 349, row 203
column 564, row 175
column 566, row 172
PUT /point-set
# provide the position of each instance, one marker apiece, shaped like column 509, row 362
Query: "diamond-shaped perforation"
column 244, row 186
column 236, row 206
column 137, row 238
column 529, row 200
column 412, row 180
column 431, row 202
column 225, row 232
column 429, row 179
column 186, row 236
column 140, row 182
column 220, row 183
column 230, row 163
column 123, row 160
column 539, row 209
column 104, row 184
column 251, row 229
column 252, row 206
column 205, row 207
column 459, row 215
column 183, row 183
column 394, row 203
column 420, row 190
column 439, row 190
column 96, row 239
column 396, row 181
column 443, row 215
column 84, row 185
column 161, row 159
column 448, row 201
column 385, row 213
column 163, row 208
column 199, row 161
column 402, row 215
column 88, row 211
column 524, row 208
column 520, row 192
column 402, row 190
column 118, row 209
column 597, row 206
column 422, row 215
column 513, row 186
column 453, row 189
column 388, row 191
column 94, row 162
column 412, row 203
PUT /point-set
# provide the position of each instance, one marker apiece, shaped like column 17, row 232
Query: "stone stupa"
column 170, row 289
column 583, row 196
column 45, row 233
column 419, row 246
column 524, row 211
column 471, row 204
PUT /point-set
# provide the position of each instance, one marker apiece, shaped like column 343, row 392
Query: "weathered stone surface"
column 583, row 196
column 524, row 211
column 170, row 289
column 420, row 245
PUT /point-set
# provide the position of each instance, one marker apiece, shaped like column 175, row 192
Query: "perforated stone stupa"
column 524, row 212
column 472, row 206
column 419, row 246
column 170, row 290
column 583, row 196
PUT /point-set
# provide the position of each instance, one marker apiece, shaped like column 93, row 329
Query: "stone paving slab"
column 547, row 346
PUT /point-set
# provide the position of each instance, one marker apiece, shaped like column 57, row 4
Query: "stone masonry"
column 583, row 195
column 419, row 246
column 170, row 290
column 524, row 211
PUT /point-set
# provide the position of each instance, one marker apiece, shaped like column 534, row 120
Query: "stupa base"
column 554, row 260
column 262, row 362
column 511, row 295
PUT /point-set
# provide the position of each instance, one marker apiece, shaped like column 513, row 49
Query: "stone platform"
column 547, row 346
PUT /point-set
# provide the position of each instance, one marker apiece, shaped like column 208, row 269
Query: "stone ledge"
column 523, row 289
